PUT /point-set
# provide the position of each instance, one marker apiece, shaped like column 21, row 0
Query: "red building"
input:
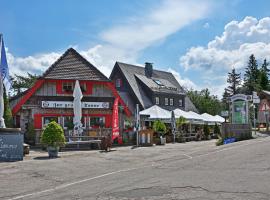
column 51, row 97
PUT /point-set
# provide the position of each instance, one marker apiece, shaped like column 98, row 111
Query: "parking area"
column 181, row 171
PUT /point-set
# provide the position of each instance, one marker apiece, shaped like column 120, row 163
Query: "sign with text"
column 11, row 147
column 225, row 113
column 69, row 104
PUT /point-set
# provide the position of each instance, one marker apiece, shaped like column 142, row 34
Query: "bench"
column 84, row 140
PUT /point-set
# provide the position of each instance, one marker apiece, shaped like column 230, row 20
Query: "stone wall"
column 239, row 131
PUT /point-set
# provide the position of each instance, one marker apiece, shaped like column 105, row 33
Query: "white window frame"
column 171, row 102
column 43, row 124
column 157, row 100
column 83, row 124
column 181, row 102
column 166, row 101
column 118, row 83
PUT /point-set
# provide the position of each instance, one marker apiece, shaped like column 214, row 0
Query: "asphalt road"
column 194, row 170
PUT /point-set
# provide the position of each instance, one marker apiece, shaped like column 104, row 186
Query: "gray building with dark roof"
column 147, row 87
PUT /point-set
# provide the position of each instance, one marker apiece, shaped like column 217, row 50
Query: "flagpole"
column 2, row 121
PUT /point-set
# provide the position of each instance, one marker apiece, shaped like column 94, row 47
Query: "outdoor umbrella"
column 219, row 119
column 77, row 108
column 181, row 113
column 196, row 117
column 208, row 118
column 156, row 112
column 173, row 123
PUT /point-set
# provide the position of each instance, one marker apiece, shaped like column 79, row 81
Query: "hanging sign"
column 69, row 104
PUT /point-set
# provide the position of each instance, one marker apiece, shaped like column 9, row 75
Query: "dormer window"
column 67, row 86
column 158, row 82
column 118, row 83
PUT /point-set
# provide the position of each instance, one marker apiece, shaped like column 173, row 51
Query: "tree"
column 7, row 111
column 180, row 122
column 224, row 100
column 205, row 102
column 20, row 83
column 234, row 80
column 264, row 73
column 159, row 127
column 251, row 76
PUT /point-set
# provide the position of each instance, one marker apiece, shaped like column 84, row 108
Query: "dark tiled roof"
column 167, row 86
column 134, row 73
column 71, row 65
column 189, row 106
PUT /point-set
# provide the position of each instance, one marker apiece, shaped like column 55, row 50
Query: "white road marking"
column 188, row 156
column 73, row 183
column 126, row 170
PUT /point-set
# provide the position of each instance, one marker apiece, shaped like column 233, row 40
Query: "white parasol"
column 77, row 108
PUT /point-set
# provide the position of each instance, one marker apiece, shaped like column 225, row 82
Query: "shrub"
column 159, row 127
column 216, row 129
column 53, row 135
column 180, row 121
column 219, row 141
column 31, row 133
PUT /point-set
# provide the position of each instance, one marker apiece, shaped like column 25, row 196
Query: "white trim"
column 171, row 101
column 180, row 102
column 118, row 83
column 43, row 124
column 157, row 100
column 166, row 101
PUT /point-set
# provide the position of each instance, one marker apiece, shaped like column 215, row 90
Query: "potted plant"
column 53, row 137
column 179, row 123
column 160, row 128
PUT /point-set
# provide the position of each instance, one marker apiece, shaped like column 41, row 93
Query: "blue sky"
column 188, row 38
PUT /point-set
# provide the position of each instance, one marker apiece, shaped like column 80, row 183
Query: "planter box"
column 53, row 152
column 162, row 141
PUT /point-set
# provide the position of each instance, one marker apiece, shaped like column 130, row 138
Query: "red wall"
column 38, row 118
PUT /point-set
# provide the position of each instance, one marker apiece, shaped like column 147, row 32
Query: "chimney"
column 148, row 70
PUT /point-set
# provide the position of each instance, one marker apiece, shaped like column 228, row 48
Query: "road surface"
column 194, row 170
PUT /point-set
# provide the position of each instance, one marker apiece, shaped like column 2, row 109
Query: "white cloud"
column 232, row 49
column 184, row 82
column 140, row 32
column 124, row 42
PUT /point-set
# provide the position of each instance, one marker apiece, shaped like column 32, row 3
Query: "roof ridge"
column 56, row 62
column 81, row 58
column 132, row 65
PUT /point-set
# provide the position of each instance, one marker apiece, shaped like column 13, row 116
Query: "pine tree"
column 264, row 73
column 21, row 83
column 234, row 80
column 7, row 111
column 251, row 76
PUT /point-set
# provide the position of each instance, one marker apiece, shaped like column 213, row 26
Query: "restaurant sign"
column 69, row 104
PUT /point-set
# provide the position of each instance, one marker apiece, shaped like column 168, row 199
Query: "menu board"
column 11, row 146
